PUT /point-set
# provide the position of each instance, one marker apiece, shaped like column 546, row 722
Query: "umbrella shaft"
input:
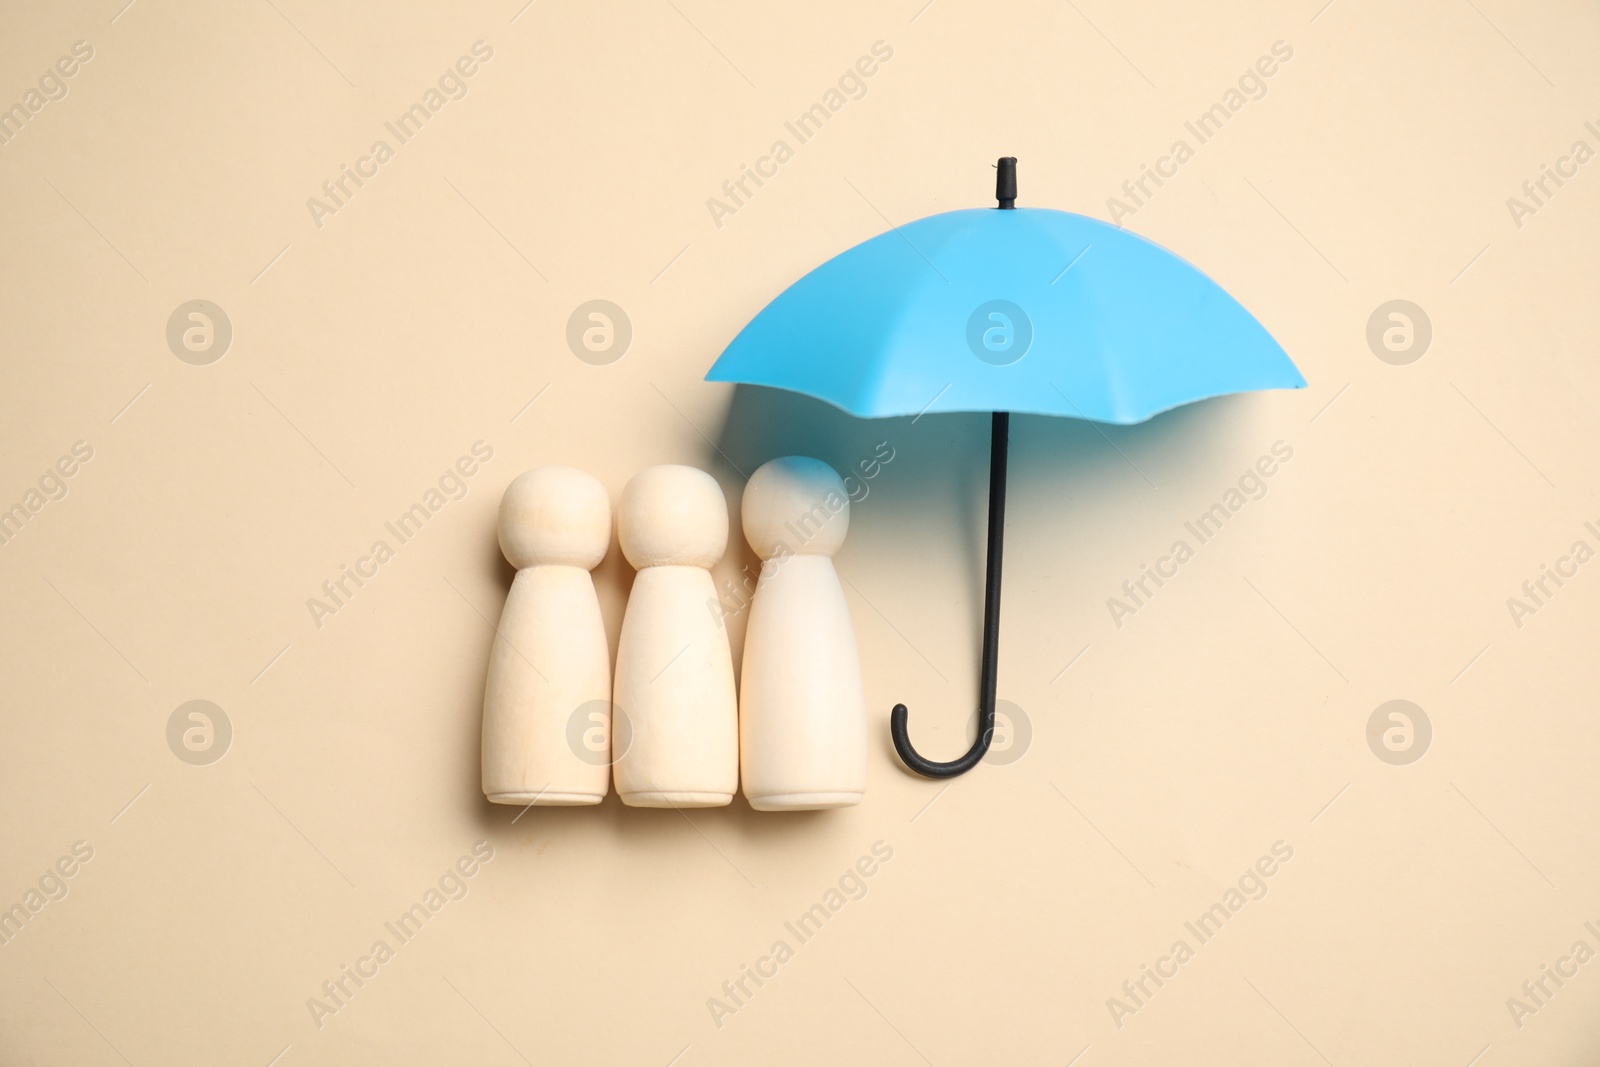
column 999, row 442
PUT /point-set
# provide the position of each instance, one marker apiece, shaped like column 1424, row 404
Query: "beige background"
column 1229, row 714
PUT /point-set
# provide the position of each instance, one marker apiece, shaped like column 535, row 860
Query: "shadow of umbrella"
column 939, row 471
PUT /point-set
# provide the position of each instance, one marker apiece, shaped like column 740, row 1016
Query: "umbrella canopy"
column 1012, row 310
column 1031, row 310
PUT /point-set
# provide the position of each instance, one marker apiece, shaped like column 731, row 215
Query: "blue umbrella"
column 1014, row 310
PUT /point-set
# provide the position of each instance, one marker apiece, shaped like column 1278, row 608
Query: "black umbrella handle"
column 998, row 444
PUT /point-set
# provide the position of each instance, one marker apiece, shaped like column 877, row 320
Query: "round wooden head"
column 672, row 516
column 557, row 515
column 795, row 505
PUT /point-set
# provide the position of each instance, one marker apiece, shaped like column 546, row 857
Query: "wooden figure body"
column 547, row 700
column 803, row 722
column 676, row 733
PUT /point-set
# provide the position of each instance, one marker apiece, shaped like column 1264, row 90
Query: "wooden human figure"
column 676, row 735
column 547, row 700
column 802, row 716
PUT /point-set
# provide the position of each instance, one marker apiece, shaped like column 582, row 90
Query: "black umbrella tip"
column 1005, row 181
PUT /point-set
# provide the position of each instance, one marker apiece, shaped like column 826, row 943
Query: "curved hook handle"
column 929, row 768
column 999, row 438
